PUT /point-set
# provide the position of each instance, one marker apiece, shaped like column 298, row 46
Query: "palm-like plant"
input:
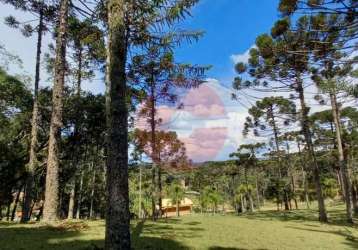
column 176, row 194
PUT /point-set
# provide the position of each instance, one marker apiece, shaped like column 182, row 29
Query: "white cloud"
column 244, row 57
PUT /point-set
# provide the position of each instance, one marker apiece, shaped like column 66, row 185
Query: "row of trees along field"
column 311, row 45
column 71, row 160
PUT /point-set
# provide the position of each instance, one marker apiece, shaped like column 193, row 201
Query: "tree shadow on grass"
column 162, row 235
column 336, row 217
column 154, row 243
column 233, row 248
column 170, row 220
column 28, row 237
column 350, row 239
column 192, row 223
column 159, row 242
column 16, row 237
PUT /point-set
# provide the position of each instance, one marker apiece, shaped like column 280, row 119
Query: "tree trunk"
column 243, row 209
column 153, row 192
column 32, row 208
column 249, row 195
column 257, row 191
column 79, row 198
column 354, row 199
column 304, row 175
column 16, row 202
column 275, row 132
column 177, row 209
column 140, row 194
column 312, row 156
column 92, row 192
column 278, row 202
column 245, row 202
column 156, row 169
column 52, row 181
column 38, row 217
column 292, row 177
column 8, row 211
column 71, row 203
column 251, row 201
column 294, row 190
column 286, row 200
column 340, row 183
column 1, row 211
column 76, row 150
column 117, row 236
column 60, row 211
column 79, row 71
column 34, row 129
column 160, row 190
column 343, row 166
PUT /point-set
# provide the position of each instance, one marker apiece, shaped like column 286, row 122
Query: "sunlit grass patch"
column 266, row 229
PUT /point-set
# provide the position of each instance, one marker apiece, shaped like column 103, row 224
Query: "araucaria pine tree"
column 45, row 13
column 50, row 209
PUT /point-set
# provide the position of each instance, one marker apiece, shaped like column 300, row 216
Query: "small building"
column 169, row 209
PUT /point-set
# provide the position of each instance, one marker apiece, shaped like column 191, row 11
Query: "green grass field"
column 261, row 230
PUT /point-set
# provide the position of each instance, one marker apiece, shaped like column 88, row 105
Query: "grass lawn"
column 261, row 230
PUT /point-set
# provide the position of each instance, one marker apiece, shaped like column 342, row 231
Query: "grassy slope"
column 263, row 230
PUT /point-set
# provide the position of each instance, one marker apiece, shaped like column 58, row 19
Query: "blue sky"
column 211, row 125
column 231, row 27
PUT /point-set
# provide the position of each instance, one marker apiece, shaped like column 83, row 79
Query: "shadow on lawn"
column 234, row 248
column 163, row 234
column 18, row 237
column 336, row 217
column 351, row 240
